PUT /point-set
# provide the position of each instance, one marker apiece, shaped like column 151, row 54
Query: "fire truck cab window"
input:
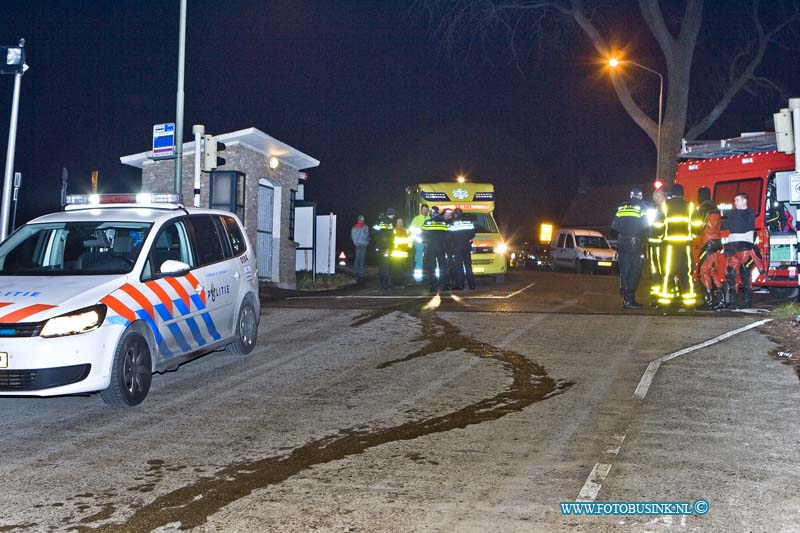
column 725, row 191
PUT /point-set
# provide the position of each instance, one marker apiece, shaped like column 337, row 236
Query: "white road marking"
column 652, row 368
column 598, row 474
column 593, row 483
column 412, row 297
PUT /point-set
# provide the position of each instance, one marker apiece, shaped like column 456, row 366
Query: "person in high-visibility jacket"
column 462, row 231
column 415, row 230
column 654, row 245
column 400, row 252
column 435, row 234
column 384, row 241
column 678, row 224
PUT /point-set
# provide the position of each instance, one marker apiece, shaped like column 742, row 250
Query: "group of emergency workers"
column 685, row 249
column 441, row 244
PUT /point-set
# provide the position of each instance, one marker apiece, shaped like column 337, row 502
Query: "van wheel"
column 246, row 331
column 501, row 278
column 579, row 266
column 131, row 372
column 554, row 266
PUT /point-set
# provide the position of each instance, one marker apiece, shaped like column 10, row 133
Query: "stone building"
column 259, row 181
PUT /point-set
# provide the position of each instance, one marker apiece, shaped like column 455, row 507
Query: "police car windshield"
column 73, row 248
column 483, row 222
column 588, row 241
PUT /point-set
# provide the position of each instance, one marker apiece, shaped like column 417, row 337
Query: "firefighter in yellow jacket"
column 676, row 225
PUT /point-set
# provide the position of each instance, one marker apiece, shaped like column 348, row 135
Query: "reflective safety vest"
column 677, row 222
column 415, row 228
column 400, row 243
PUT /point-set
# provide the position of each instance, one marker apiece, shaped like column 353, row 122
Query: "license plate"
column 604, row 263
column 3, row 360
column 478, row 269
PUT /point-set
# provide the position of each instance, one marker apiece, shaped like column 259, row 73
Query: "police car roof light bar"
column 162, row 200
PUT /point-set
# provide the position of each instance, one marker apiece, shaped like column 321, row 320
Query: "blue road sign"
column 164, row 141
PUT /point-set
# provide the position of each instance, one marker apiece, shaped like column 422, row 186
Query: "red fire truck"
column 752, row 164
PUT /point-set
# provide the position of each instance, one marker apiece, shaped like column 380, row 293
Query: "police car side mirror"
column 170, row 267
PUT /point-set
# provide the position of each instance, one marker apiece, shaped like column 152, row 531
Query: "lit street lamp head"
column 613, row 62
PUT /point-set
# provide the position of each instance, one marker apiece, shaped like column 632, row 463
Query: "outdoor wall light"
column 274, row 162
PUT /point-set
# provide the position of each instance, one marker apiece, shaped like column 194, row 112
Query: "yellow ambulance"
column 476, row 200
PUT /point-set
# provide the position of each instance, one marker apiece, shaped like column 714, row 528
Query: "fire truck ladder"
column 747, row 143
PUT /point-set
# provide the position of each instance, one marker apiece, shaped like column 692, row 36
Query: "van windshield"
column 73, row 248
column 483, row 222
column 589, row 241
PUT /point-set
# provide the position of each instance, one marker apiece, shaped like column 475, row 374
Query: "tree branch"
column 651, row 13
column 738, row 82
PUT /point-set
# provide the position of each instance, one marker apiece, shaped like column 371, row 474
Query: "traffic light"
column 211, row 147
column 12, row 59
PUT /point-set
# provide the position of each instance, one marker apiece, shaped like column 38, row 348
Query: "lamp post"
column 12, row 63
column 613, row 63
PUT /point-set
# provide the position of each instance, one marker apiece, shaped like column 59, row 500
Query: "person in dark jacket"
column 630, row 224
column 435, row 235
column 742, row 255
column 462, row 231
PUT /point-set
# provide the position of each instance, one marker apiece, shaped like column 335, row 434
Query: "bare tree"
column 486, row 24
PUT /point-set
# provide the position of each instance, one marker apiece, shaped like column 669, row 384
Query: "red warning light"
column 658, row 185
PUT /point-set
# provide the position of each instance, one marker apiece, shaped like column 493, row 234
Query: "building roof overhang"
column 252, row 138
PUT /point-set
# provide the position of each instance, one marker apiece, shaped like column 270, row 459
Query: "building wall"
column 158, row 176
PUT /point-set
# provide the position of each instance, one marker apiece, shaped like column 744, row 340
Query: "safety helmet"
column 677, row 190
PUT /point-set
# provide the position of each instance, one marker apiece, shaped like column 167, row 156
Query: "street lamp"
column 12, row 61
column 613, row 63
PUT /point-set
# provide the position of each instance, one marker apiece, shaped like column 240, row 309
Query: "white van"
column 582, row 250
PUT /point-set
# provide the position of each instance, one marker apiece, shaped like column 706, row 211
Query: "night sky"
column 358, row 85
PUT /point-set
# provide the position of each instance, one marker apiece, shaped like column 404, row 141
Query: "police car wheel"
column 246, row 331
column 131, row 372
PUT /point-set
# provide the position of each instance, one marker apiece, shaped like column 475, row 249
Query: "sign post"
column 164, row 141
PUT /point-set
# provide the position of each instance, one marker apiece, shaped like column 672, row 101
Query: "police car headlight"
column 79, row 321
column 501, row 248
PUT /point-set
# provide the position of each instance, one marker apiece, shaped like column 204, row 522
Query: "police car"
column 117, row 287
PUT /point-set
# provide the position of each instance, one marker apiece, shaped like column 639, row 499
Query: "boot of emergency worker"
column 630, row 224
column 654, row 245
column 415, row 231
column 710, row 261
column 435, row 233
column 741, row 222
column 384, row 240
column 678, row 225
column 462, row 232
column 399, row 256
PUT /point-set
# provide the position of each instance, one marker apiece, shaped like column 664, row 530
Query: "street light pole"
column 5, row 209
column 614, row 62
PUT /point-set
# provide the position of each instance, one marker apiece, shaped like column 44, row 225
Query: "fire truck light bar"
column 124, row 198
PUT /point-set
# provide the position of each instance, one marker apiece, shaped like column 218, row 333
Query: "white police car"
column 100, row 296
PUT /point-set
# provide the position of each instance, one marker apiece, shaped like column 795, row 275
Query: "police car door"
column 219, row 271
column 178, row 311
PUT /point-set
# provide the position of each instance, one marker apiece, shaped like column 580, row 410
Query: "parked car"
column 582, row 250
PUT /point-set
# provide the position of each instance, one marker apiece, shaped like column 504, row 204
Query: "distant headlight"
column 74, row 323
column 501, row 248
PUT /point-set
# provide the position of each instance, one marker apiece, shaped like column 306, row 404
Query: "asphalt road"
column 397, row 411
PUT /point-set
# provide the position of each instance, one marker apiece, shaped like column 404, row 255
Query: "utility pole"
column 179, row 104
